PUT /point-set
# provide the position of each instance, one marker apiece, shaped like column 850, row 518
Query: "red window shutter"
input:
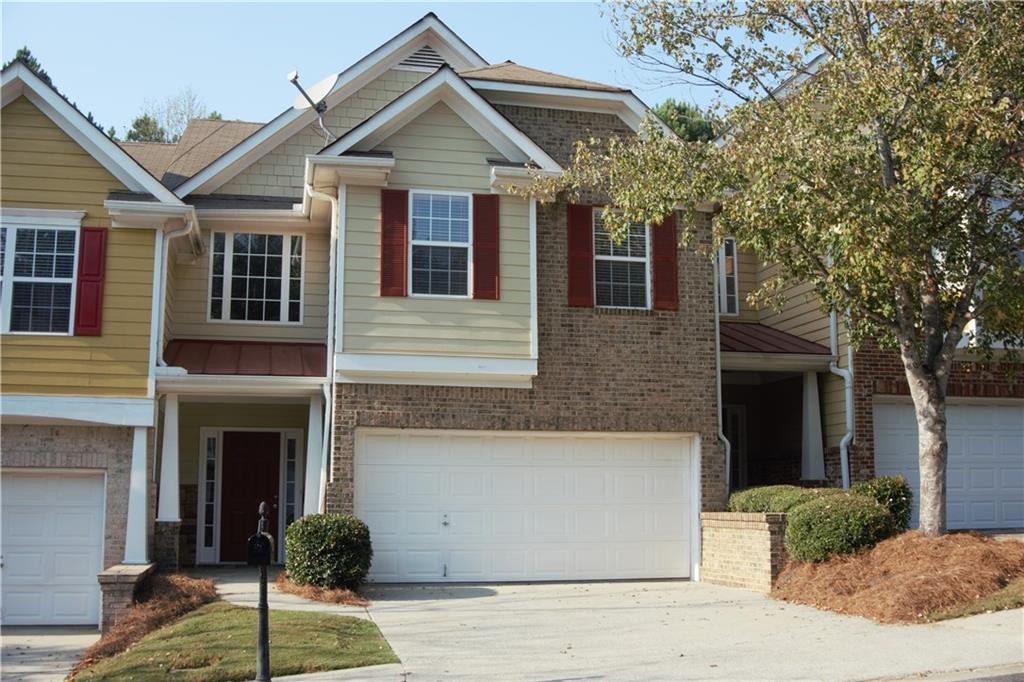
column 486, row 260
column 394, row 234
column 581, row 256
column 92, row 261
column 665, row 287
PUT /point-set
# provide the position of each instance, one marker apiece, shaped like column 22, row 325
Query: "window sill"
column 632, row 312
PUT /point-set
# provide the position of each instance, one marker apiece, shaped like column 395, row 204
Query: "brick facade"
column 742, row 550
column 877, row 371
column 598, row 370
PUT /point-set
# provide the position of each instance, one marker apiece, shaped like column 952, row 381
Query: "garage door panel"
column 985, row 479
column 53, row 548
column 524, row 506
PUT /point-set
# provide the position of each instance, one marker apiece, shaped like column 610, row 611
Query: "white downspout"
column 331, row 312
column 847, row 376
column 190, row 223
column 718, row 380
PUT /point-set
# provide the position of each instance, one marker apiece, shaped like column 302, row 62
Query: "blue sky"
column 112, row 58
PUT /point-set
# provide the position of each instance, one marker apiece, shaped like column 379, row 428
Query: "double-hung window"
column 440, row 243
column 728, row 278
column 621, row 268
column 256, row 277
column 38, row 266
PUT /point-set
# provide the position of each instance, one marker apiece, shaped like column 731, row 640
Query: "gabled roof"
column 17, row 80
column 444, row 86
column 428, row 30
column 510, row 72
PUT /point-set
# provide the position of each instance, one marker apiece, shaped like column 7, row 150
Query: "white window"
column 621, row 269
column 38, row 267
column 256, row 277
column 440, row 243
column 728, row 278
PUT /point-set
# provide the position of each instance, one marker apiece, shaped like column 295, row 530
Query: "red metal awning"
column 250, row 358
column 746, row 337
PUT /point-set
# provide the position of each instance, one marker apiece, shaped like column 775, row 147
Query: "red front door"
column 250, row 475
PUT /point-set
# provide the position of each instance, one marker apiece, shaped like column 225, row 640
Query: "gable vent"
column 424, row 58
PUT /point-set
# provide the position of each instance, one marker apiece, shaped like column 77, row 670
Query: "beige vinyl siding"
column 748, row 267
column 192, row 295
column 42, row 167
column 280, row 171
column 436, row 151
column 193, row 416
column 171, row 290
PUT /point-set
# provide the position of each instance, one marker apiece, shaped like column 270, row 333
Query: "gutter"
column 847, row 376
column 191, row 230
column 327, row 438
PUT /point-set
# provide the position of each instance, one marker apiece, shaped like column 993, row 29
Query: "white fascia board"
column 145, row 214
column 521, row 177
column 55, row 409
column 775, row 362
column 240, row 385
column 322, row 171
column 351, row 79
column 19, row 80
column 625, row 105
column 444, row 86
column 434, row 370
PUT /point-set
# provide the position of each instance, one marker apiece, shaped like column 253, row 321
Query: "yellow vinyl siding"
column 748, row 267
column 436, row 151
column 42, row 167
column 280, row 171
column 191, row 287
column 193, row 416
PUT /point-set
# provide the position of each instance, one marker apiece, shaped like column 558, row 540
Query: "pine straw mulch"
column 160, row 600
column 337, row 595
column 909, row 578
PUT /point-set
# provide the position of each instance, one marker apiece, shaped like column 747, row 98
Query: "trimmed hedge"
column 893, row 493
column 775, row 498
column 838, row 524
column 328, row 550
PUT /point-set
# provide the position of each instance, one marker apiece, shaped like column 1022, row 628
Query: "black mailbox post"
column 260, row 552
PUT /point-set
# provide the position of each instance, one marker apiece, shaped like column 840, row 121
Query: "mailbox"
column 260, row 549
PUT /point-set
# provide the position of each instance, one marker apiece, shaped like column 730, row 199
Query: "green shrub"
column 837, row 524
column 328, row 550
column 893, row 493
column 775, row 498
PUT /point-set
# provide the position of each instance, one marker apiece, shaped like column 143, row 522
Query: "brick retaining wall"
column 741, row 549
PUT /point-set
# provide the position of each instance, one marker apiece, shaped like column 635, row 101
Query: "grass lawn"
column 1010, row 597
column 217, row 643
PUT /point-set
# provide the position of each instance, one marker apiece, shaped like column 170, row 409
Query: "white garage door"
column 487, row 506
column 985, row 474
column 52, row 548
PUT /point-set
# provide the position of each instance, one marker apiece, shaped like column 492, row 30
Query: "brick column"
column 117, row 586
column 742, row 550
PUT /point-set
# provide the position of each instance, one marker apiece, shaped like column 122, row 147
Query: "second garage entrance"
column 512, row 506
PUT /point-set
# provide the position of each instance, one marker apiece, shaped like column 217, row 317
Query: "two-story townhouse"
column 81, row 228
column 377, row 325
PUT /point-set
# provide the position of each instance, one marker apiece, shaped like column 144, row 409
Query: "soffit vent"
column 424, row 58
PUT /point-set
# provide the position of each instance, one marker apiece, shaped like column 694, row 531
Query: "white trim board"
column 177, row 380
column 428, row 30
column 434, row 370
column 53, row 409
column 19, row 80
column 444, row 86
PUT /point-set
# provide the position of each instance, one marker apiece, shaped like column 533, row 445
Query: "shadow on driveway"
column 42, row 654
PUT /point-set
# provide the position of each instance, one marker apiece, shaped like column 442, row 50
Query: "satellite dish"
column 316, row 93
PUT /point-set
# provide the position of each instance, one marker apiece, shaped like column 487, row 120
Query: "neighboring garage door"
column 488, row 506
column 985, row 474
column 52, row 548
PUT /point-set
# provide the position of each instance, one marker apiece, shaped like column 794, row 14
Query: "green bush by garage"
column 328, row 550
column 837, row 524
column 775, row 498
column 893, row 493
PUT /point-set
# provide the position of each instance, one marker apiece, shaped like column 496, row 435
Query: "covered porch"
column 230, row 440
column 772, row 406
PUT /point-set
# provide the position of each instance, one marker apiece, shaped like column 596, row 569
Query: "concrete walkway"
column 43, row 654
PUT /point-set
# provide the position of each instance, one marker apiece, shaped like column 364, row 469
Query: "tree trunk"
column 932, row 449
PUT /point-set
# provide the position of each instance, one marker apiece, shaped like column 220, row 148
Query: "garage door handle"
column 444, row 520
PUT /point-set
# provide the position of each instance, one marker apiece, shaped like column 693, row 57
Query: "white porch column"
column 314, row 456
column 169, row 508
column 135, row 540
column 812, row 461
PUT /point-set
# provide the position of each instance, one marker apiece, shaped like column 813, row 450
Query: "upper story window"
column 256, row 277
column 38, row 267
column 440, row 243
column 621, row 269
column 728, row 278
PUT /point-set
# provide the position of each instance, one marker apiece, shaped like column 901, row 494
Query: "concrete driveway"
column 665, row 631
column 43, row 654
